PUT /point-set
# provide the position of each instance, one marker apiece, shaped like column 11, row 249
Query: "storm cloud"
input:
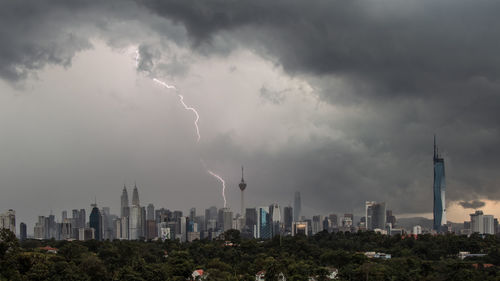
column 379, row 78
column 473, row 204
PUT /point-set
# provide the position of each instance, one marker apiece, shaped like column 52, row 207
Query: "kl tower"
column 242, row 186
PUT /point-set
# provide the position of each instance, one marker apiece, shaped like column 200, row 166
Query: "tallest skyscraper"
column 439, row 190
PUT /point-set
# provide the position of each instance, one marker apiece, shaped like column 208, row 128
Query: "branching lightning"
column 181, row 99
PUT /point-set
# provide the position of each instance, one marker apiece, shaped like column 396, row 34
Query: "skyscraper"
column 439, row 190
column 275, row 215
column 22, row 231
column 151, row 212
column 378, row 216
column 288, row 218
column 135, row 217
column 124, row 211
column 95, row 222
column 242, row 186
column 263, row 223
column 296, row 206
column 8, row 220
column 135, row 196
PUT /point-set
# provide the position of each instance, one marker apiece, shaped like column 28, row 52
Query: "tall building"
column 481, row 223
column 95, row 222
column 439, row 190
column 378, row 216
column 124, row 211
column 22, row 231
column 8, row 220
column 263, row 223
column 243, row 186
column 135, row 196
column 369, row 214
column 211, row 218
column 83, row 218
column 135, row 224
column 64, row 215
column 297, row 204
column 192, row 213
column 288, row 219
column 334, row 220
column 227, row 219
column 477, row 222
column 151, row 212
column 390, row 218
column 317, row 224
column 489, row 224
column 275, row 214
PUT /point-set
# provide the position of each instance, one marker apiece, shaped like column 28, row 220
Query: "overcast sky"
column 336, row 99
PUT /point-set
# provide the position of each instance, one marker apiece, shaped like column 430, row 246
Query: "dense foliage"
column 426, row 258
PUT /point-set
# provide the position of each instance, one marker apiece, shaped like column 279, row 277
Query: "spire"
column 435, row 147
column 135, row 196
column 242, row 180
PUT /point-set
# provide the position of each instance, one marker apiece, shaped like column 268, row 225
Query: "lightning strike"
column 164, row 84
column 181, row 99
column 223, row 185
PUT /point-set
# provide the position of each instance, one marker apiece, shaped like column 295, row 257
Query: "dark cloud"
column 474, row 204
column 399, row 71
column 397, row 46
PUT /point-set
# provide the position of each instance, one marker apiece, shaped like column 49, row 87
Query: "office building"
column 300, row 228
column 375, row 215
column 439, row 189
column 317, row 224
column 95, row 222
column 288, row 218
column 297, row 205
column 275, row 215
column 124, row 210
column 227, row 219
column 477, row 222
column 264, row 230
column 8, row 220
column 151, row 212
column 22, row 231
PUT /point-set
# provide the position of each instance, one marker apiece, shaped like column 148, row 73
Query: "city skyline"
column 338, row 106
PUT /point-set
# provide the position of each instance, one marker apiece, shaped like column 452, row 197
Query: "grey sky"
column 337, row 99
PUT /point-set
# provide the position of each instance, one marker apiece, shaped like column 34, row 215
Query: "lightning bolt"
column 223, row 185
column 181, row 99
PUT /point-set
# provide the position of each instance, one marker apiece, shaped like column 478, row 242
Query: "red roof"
column 485, row 265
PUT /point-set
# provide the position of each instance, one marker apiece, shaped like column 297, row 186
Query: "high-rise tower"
column 243, row 186
column 135, row 196
column 296, row 207
column 124, row 206
column 439, row 190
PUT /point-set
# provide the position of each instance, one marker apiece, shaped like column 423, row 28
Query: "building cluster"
column 137, row 222
column 481, row 223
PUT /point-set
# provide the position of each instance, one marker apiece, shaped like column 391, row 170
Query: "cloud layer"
column 358, row 88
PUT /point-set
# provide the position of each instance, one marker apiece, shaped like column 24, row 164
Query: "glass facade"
column 439, row 191
column 264, row 223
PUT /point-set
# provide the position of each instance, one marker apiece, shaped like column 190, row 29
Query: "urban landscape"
column 249, row 140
